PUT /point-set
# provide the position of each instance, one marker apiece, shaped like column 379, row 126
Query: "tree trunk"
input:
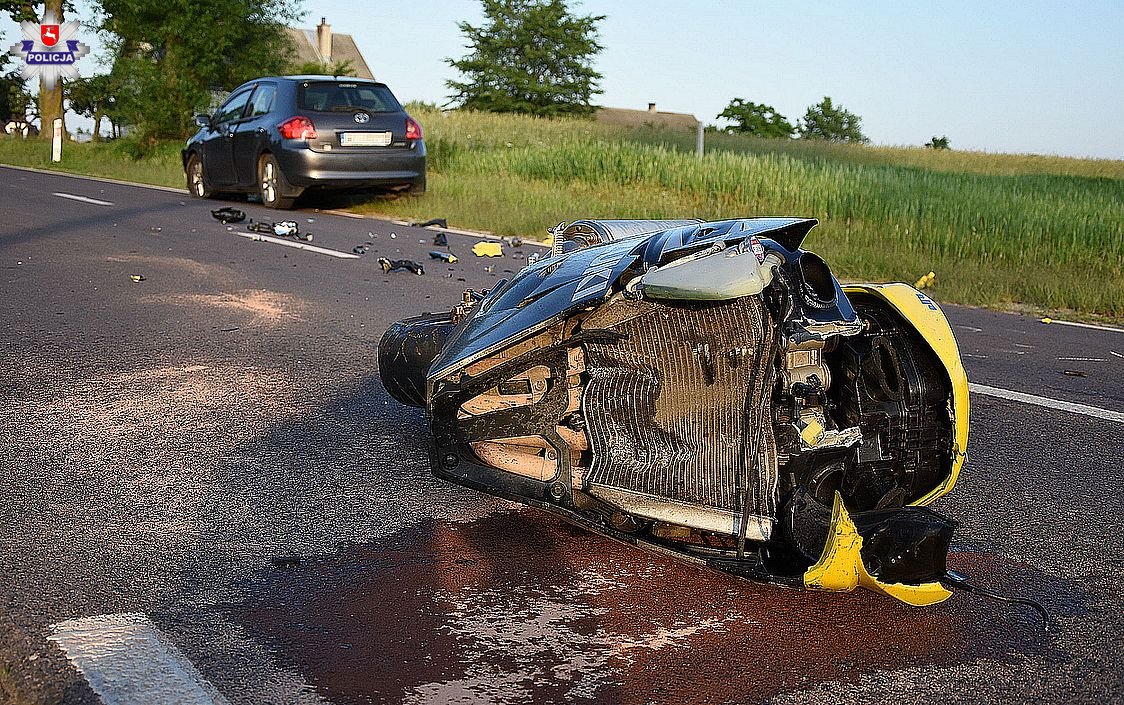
column 97, row 126
column 50, row 99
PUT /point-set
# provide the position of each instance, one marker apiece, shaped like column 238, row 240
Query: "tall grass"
column 997, row 229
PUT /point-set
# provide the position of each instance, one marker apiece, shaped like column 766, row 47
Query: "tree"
column 529, row 56
column 15, row 100
column 756, row 119
column 941, row 142
column 173, row 55
column 92, row 97
column 825, row 121
column 50, row 99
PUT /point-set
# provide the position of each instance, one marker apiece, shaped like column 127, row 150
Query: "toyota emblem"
column 362, row 118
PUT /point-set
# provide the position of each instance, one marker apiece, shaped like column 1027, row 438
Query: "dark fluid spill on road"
column 521, row 607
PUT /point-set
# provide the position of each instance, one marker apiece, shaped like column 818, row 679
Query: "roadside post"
column 56, row 141
column 699, row 140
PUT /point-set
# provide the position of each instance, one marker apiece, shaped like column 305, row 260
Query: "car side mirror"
column 203, row 120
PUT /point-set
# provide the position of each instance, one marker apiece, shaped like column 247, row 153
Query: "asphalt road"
column 205, row 489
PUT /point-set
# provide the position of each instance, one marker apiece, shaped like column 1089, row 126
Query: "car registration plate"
column 364, row 139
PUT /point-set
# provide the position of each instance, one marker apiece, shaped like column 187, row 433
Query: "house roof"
column 343, row 49
column 651, row 118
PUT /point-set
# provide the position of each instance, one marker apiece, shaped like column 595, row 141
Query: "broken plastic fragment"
column 137, row 277
column 227, row 215
column 439, row 222
column 443, row 256
column 389, row 265
column 487, row 249
column 925, row 281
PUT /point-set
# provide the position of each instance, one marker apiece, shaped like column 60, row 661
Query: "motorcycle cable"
column 953, row 580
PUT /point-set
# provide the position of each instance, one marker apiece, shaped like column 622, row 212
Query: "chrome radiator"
column 677, row 412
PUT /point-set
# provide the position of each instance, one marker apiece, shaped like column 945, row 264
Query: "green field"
column 999, row 230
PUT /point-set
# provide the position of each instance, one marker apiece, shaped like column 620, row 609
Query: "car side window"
column 232, row 108
column 263, row 100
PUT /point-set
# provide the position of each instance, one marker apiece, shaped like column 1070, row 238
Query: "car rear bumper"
column 305, row 168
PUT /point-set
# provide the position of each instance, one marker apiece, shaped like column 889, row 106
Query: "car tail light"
column 413, row 130
column 298, row 128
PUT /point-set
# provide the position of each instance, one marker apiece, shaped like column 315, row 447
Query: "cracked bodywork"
column 706, row 390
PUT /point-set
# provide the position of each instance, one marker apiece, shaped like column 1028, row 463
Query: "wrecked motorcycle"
column 707, row 390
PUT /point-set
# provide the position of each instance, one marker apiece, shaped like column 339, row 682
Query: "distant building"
column 646, row 118
column 321, row 46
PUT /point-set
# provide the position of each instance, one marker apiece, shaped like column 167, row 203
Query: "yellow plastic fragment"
column 1047, row 320
column 841, row 569
column 487, row 249
column 926, row 281
column 812, row 432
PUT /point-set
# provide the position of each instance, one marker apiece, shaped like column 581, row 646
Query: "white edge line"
column 1072, row 407
column 83, row 199
column 127, row 660
column 298, row 245
column 1075, row 324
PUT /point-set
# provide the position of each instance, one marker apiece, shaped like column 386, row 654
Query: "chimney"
column 651, row 107
column 324, row 40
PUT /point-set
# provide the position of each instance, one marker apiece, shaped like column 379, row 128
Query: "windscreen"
column 330, row 96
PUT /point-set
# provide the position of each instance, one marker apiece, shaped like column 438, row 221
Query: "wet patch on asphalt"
column 521, row 607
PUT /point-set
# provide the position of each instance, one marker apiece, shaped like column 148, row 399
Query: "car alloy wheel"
column 196, row 182
column 272, row 184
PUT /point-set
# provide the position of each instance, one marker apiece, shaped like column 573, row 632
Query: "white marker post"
column 56, row 141
column 699, row 140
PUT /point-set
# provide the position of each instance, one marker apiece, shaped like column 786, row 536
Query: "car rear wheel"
column 272, row 184
column 196, row 179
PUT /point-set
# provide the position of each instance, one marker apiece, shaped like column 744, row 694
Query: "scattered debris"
column 490, row 268
column 514, row 241
column 155, row 228
column 361, row 248
column 518, row 255
column 393, row 236
column 389, row 266
column 925, row 281
column 441, row 240
column 439, row 222
column 443, row 256
column 285, row 228
column 137, row 277
column 227, row 215
column 1074, row 373
column 487, row 249
column 285, row 561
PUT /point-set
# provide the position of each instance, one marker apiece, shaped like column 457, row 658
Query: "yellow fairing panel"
column 928, row 319
column 841, row 569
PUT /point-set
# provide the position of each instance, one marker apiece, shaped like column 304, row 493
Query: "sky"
column 998, row 76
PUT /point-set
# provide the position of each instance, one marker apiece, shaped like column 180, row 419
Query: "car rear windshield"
column 330, row 96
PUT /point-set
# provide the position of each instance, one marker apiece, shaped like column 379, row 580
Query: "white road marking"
column 1072, row 407
column 1116, row 353
column 298, row 245
column 1054, row 321
column 981, row 357
column 84, row 199
column 970, row 328
column 1083, row 359
column 128, row 661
